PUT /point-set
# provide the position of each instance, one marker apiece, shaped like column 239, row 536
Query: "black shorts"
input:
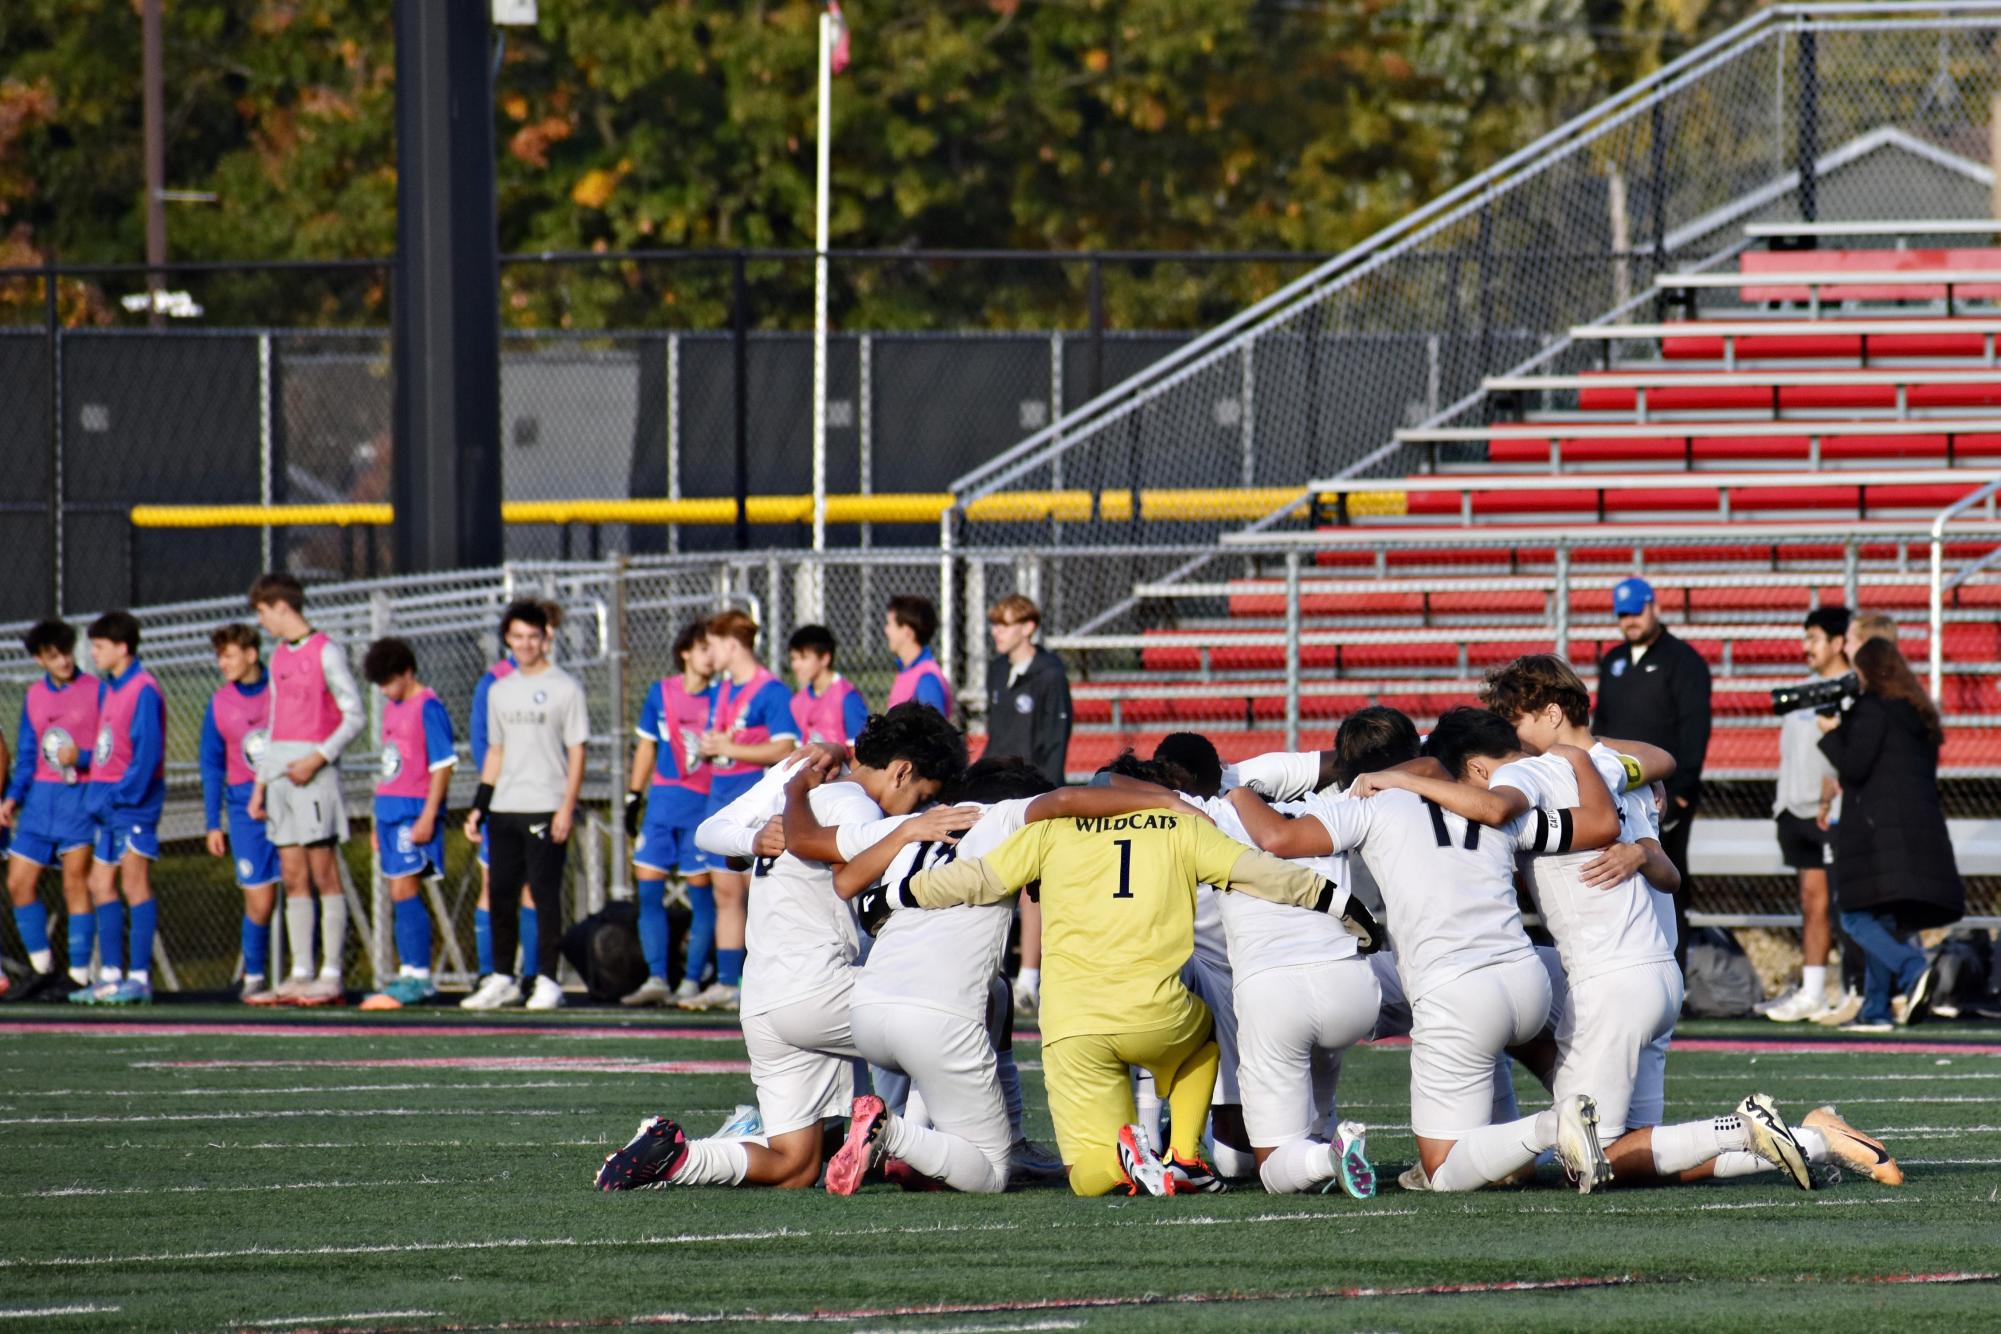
column 1804, row 845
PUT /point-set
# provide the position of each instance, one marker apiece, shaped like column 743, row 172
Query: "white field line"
column 1842, row 1079
column 50, row 1312
column 1951, row 1162
column 1863, row 1102
column 297, row 1088
column 281, row 1322
column 277, row 1116
column 71, row 1192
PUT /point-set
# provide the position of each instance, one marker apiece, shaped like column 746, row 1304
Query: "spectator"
column 1028, row 693
column 1803, row 807
column 908, row 627
column 1898, row 875
column 1655, row 688
column 1865, row 626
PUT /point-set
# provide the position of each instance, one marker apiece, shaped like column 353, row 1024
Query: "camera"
column 1827, row 697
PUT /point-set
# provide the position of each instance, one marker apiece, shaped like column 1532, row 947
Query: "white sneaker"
column 716, row 996
column 687, row 991
column 548, row 995
column 1799, row 1006
column 1577, row 1145
column 653, row 991
column 497, row 990
column 1841, row 1011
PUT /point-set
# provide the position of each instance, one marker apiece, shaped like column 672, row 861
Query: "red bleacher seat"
column 1762, row 262
column 1509, row 447
column 1836, row 393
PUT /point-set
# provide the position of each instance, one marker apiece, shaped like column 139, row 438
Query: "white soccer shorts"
column 1458, row 1031
column 1611, row 1044
column 1297, row 1020
column 950, row 1061
column 802, row 1060
column 296, row 816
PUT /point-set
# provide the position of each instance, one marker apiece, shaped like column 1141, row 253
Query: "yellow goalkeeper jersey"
column 1118, row 909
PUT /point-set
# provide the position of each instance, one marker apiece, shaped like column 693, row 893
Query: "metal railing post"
column 976, row 605
column 948, row 618
column 1292, row 650
column 1560, row 612
column 1937, row 608
column 264, row 478
column 615, row 636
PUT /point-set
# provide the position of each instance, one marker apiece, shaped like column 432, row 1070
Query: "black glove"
column 872, row 908
column 635, row 806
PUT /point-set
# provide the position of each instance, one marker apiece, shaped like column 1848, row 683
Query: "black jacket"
column 1663, row 700
column 1030, row 718
column 1891, row 849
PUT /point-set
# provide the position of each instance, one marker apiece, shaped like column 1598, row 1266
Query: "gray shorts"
column 295, row 815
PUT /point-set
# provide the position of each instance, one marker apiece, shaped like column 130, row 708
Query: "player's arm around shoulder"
column 1426, row 778
column 1595, row 820
column 989, row 879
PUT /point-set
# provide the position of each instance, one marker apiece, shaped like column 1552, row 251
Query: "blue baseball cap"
column 1631, row 596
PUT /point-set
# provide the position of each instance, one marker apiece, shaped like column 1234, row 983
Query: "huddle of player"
column 1216, row 928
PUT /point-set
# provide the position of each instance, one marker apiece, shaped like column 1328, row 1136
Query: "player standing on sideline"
column 235, row 729
column 482, row 917
column 750, row 727
column 537, row 725
column 826, row 706
column 46, row 810
column 1475, row 984
column 908, row 626
column 128, row 789
column 804, row 943
column 670, row 784
column 416, row 775
column 316, row 711
column 1803, row 807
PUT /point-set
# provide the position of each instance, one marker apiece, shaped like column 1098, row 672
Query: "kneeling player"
column 417, row 760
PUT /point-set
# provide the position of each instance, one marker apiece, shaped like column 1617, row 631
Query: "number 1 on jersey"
column 1125, row 846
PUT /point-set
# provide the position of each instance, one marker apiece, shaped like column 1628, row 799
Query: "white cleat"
column 1772, row 1139
column 1577, row 1146
column 653, row 991
column 1797, row 1008
column 499, row 989
column 548, row 995
column 1145, row 1173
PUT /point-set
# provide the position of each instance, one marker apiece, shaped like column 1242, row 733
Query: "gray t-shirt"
column 535, row 720
column 1802, row 766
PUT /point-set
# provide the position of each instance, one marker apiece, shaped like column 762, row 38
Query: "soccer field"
column 182, row 1168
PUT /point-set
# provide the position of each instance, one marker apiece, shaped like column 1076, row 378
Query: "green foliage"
column 1099, row 124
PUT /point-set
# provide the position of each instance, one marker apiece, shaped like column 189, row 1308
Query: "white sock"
column 1677, row 1148
column 1295, row 1168
column 714, row 1162
column 1492, row 1153
column 944, row 1157
column 421, row 974
column 1231, row 1162
column 143, row 976
column 333, row 935
column 80, row 974
column 1740, row 1163
column 1146, row 1098
column 1813, row 980
column 111, row 974
column 41, row 960
column 1813, row 1142
column 300, row 913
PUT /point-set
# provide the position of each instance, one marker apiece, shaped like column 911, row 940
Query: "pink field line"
column 282, row 1029
column 599, row 1065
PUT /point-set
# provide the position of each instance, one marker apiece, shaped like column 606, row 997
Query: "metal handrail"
column 1938, row 524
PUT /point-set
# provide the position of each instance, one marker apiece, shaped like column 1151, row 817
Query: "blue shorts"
column 115, row 840
column 52, row 823
column 667, row 838
column 401, row 856
column 256, row 859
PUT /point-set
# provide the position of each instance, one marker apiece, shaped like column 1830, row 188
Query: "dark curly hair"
column 997, row 778
column 1164, row 772
column 1195, row 755
column 917, row 733
column 386, row 660
column 44, row 635
column 1465, row 732
column 1377, row 737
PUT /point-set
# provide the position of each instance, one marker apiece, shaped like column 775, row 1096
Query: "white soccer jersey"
column 1282, row 775
column 1265, row 935
column 1448, row 886
column 1597, row 930
column 800, row 936
column 1639, row 818
column 942, row 958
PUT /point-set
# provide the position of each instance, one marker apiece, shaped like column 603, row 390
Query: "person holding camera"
column 1897, row 875
column 1804, row 806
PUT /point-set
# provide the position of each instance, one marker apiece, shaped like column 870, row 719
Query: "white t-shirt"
column 1262, row 934
column 1281, row 775
column 800, row 935
column 535, row 720
column 1597, row 930
column 940, row 958
column 1448, row 888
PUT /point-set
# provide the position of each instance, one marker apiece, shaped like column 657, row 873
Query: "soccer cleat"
column 291, row 989
column 687, row 991
column 650, row 1158
column 130, row 991
column 1577, row 1146
column 907, row 1178
column 1918, row 1005
column 1796, row 1008
column 1867, row 1026
column 1349, row 1156
column 1029, row 1161
column 1842, row 1011
column 1855, row 1150
column 51, row 986
column 653, row 991
column 1144, row 1172
column 497, row 990
column 1772, row 1139
column 320, row 993
column 715, row 996
column 746, row 1122
column 548, row 995
column 380, row 1000
column 92, row 995
column 1195, row 1177
column 1414, row 1178
column 862, row 1148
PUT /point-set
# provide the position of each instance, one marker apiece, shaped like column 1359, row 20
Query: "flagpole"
column 820, row 312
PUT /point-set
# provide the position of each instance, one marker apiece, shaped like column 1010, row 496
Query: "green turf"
column 465, row 1194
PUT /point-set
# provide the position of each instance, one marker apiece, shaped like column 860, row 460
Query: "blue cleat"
column 130, row 991
column 1351, row 1163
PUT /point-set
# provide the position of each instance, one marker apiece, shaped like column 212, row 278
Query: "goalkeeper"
column 1118, row 905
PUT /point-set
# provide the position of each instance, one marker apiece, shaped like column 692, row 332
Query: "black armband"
column 482, row 799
